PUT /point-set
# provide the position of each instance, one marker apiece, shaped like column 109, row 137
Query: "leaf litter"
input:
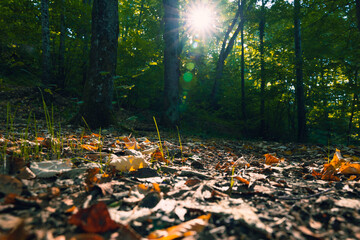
column 113, row 186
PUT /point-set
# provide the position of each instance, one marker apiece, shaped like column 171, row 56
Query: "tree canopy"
column 242, row 54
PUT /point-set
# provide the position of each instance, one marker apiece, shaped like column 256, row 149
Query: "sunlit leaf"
column 188, row 228
column 89, row 147
column 243, row 180
column 351, row 168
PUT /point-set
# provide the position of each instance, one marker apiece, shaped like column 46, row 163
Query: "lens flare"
column 201, row 19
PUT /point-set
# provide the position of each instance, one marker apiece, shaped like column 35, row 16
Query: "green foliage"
column 331, row 54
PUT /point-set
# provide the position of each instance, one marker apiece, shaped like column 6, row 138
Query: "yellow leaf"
column 352, row 168
column 188, row 228
column 337, row 160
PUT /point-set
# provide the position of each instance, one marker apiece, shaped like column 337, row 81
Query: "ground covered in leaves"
column 74, row 183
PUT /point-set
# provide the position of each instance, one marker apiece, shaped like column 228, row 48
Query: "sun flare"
column 201, row 20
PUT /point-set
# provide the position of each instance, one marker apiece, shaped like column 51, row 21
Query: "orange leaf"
column 39, row 139
column 188, row 228
column 89, row 147
column 72, row 209
column 316, row 174
column 270, row 159
column 159, row 156
column 95, row 219
column 132, row 145
column 156, row 187
column 352, row 168
column 242, row 180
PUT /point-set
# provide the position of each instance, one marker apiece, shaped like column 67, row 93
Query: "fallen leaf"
column 86, row 236
column 10, row 184
column 242, row 180
column 270, row 159
column 352, row 168
column 188, row 228
column 95, row 219
column 89, row 147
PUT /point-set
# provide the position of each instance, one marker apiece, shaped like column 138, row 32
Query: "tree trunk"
column 86, row 38
column 225, row 51
column 242, row 73
column 299, row 87
column 98, row 90
column 61, row 69
column 262, row 70
column 45, row 32
column 171, row 113
column 358, row 13
column 353, row 104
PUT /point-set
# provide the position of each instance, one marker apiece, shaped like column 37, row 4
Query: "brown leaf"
column 10, row 184
column 86, row 236
column 95, row 219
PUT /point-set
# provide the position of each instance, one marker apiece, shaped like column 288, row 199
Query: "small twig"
column 306, row 196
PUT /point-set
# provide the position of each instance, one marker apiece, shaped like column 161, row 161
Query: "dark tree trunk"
column 98, row 90
column 262, row 70
column 61, row 68
column 358, row 13
column 86, row 38
column 225, row 51
column 353, row 104
column 45, row 31
column 171, row 113
column 242, row 73
column 299, row 87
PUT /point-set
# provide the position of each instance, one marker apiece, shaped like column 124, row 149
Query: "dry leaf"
column 242, row 180
column 270, row 159
column 95, row 219
column 188, row 228
column 86, row 236
column 10, row 184
column 89, row 147
column 351, row 168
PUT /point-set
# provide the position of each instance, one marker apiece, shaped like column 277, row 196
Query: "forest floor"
column 72, row 183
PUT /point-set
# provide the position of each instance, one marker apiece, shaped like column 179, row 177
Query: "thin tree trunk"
column 98, row 90
column 242, row 73
column 171, row 113
column 299, row 87
column 262, row 70
column 61, row 69
column 45, row 31
column 86, row 38
column 353, row 104
column 225, row 51
column 358, row 13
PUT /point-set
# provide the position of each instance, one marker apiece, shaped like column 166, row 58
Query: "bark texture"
column 61, row 68
column 171, row 114
column 98, row 90
column 299, row 86
column 45, row 35
column 262, row 69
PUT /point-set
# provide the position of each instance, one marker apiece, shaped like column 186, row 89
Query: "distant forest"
column 285, row 70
